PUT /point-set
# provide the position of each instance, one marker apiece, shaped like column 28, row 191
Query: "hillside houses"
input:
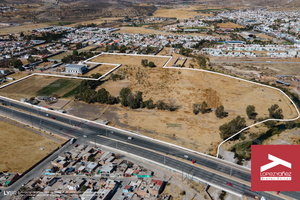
column 253, row 50
column 279, row 24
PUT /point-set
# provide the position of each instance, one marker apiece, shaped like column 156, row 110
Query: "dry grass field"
column 29, row 87
column 24, row 28
column 16, row 76
column 129, row 59
column 197, row 132
column 186, row 87
column 114, row 88
column 102, row 69
column 19, row 147
column 97, row 21
column 229, row 25
column 142, row 30
column 179, row 12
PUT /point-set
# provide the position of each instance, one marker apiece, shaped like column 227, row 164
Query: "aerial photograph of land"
column 145, row 100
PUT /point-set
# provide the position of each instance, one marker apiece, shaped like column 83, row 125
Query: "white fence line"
column 186, row 149
column 283, row 120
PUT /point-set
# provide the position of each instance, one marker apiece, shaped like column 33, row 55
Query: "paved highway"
column 92, row 130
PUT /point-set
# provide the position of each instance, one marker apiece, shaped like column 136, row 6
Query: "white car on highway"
column 84, row 136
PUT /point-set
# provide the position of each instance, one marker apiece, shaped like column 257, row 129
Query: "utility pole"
column 106, row 132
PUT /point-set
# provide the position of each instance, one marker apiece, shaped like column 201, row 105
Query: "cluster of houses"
column 4, row 9
column 54, row 29
column 6, row 179
column 135, row 40
column 253, row 50
column 17, row 48
column 279, row 24
column 191, row 25
column 88, row 173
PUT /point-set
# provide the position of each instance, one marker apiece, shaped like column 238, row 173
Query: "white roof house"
column 75, row 69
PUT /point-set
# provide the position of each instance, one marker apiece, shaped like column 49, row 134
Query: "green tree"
column 78, row 45
column 83, row 188
column 102, row 96
column 17, row 63
column 220, row 113
column 151, row 64
column 123, row 49
column 124, row 94
column 196, row 108
column 144, row 62
column 275, row 112
column 96, row 76
column 44, row 59
column 149, row 104
column 250, row 110
column 75, row 53
column 203, row 107
column 89, row 96
column 235, row 125
column 270, row 124
column 290, row 124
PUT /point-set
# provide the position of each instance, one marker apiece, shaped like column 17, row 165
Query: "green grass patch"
column 59, row 87
column 73, row 92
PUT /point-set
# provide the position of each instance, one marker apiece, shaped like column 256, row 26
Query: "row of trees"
column 237, row 124
column 77, row 56
column 89, row 95
column 135, row 100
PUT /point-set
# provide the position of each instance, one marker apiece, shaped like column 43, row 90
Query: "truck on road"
column 72, row 140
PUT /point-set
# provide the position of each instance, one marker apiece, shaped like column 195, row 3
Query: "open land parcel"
column 20, row 146
column 40, row 86
column 186, row 87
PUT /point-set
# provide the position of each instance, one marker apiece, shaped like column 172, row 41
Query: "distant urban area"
column 144, row 100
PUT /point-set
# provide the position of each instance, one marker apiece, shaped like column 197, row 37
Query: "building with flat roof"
column 75, row 69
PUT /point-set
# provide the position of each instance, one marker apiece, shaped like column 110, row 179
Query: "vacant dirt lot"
column 23, row 28
column 29, row 87
column 129, row 60
column 185, row 87
column 197, row 132
column 114, row 88
column 181, row 12
column 229, row 25
column 19, row 147
column 102, row 69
